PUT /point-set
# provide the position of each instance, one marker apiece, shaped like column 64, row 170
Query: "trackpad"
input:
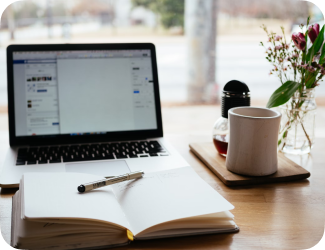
column 102, row 168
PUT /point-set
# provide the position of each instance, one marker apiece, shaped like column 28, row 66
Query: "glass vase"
column 297, row 130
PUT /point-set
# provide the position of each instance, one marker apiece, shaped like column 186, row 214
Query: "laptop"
column 89, row 108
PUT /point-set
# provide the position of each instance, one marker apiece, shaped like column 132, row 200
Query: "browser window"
column 83, row 92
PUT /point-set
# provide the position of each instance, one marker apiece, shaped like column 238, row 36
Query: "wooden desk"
column 272, row 216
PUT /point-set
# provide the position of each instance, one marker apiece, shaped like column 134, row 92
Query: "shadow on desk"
column 8, row 191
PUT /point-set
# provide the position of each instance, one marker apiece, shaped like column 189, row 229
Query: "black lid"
column 236, row 94
column 235, row 87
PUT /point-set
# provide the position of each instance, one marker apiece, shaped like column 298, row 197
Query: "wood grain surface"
column 288, row 215
column 288, row 170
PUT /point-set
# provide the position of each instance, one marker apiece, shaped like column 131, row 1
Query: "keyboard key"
column 108, row 156
column 108, row 152
column 22, row 153
column 73, row 150
column 133, row 155
column 32, row 157
column 64, row 149
column 54, row 155
column 83, row 157
column 143, row 155
column 93, row 156
column 31, row 162
column 55, row 161
column 124, row 146
column 134, row 144
column 154, row 142
column 20, row 163
column 116, row 145
column 69, row 158
column 153, row 154
column 82, row 149
column 121, row 155
column 22, row 158
column 42, row 162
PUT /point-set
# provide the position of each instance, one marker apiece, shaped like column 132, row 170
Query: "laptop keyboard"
column 89, row 152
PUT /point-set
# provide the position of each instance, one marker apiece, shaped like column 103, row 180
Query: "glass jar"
column 297, row 130
column 220, row 135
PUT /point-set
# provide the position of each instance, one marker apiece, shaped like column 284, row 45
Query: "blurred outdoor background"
column 229, row 34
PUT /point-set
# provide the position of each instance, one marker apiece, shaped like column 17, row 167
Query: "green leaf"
column 312, row 79
column 310, row 55
column 303, row 57
column 322, row 56
column 285, row 133
column 316, row 46
column 282, row 94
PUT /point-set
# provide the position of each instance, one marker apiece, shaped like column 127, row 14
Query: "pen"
column 105, row 182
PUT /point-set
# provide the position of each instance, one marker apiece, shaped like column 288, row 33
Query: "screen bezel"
column 67, row 138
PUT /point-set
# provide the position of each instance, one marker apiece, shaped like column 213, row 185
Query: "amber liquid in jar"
column 221, row 143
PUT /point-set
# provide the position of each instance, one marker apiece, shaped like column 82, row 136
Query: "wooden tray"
column 287, row 169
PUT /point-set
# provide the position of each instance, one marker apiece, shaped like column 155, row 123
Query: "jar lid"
column 235, row 87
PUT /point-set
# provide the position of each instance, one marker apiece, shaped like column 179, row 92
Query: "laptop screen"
column 83, row 92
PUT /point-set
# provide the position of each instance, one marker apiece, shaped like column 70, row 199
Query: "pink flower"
column 294, row 64
column 299, row 40
column 269, row 48
column 278, row 47
column 311, row 69
column 286, row 46
column 295, row 55
column 322, row 71
column 313, row 32
column 278, row 38
column 304, row 66
column 280, row 59
column 269, row 39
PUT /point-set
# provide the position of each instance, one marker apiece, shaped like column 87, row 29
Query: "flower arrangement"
column 300, row 66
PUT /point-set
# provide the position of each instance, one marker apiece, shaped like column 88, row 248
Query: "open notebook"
column 49, row 213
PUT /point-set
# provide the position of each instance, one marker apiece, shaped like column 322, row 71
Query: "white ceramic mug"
column 253, row 140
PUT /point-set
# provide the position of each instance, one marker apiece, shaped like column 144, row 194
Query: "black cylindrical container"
column 235, row 94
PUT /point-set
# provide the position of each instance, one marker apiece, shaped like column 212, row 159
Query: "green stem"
column 292, row 116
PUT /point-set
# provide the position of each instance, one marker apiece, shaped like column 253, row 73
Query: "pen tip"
column 81, row 188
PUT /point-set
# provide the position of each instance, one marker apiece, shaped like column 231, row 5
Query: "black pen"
column 105, row 182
